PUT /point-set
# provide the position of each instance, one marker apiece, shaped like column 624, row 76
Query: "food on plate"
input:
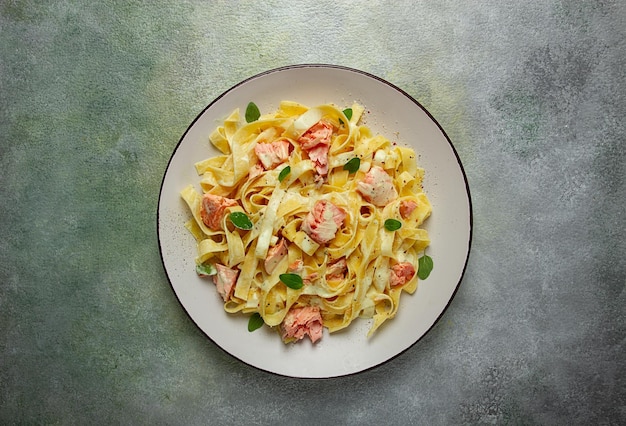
column 307, row 220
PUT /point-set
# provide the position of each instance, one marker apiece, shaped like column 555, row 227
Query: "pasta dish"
column 307, row 220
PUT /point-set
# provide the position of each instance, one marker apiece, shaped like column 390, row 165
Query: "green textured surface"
column 94, row 97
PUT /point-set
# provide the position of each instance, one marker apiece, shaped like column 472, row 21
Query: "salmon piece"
column 272, row 154
column 401, row 273
column 316, row 143
column 407, row 207
column 319, row 157
column 317, row 134
column 212, row 210
column 337, row 270
column 323, row 222
column 255, row 171
column 225, row 280
column 377, row 187
column 297, row 267
column 275, row 254
column 300, row 322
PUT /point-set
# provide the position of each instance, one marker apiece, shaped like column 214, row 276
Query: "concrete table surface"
column 94, row 96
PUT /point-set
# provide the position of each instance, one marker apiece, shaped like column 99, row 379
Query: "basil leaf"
column 392, row 225
column 348, row 113
column 353, row 165
column 205, row 270
column 283, row 173
column 252, row 112
column 425, row 265
column 293, row 281
column 240, row 220
column 255, row 322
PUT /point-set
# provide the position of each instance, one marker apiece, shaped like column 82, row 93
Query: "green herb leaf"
column 353, row 165
column 293, row 281
column 348, row 113
column 425, row 265
column 392, row 225
column 255, row 322
column 240, row 220
column 252, row 112
column 283, row 173
column 205, row 270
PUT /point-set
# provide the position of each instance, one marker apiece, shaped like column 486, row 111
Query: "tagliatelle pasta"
column 331, row 219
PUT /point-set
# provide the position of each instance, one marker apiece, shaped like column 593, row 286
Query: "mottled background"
column 94, row 97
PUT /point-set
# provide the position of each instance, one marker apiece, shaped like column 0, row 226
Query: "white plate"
column 388, row 111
